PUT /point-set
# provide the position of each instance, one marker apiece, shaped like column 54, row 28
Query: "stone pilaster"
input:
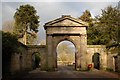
column 77, row 54
column 83, row 51
column 77, row 60
column 50, row 56
column 55, row 53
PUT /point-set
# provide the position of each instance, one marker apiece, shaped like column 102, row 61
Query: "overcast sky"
column 52, row 10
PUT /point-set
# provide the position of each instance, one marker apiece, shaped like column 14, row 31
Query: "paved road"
column 69, row 72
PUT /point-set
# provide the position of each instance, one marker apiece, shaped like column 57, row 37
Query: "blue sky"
column 50, row 10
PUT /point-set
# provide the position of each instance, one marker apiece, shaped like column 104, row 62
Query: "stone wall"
column 22, row 61
column 41, row 49
column 101, row 49
column 113, row 60
column 18, row 59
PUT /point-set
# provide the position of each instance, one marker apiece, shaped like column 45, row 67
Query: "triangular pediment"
column 66, row 21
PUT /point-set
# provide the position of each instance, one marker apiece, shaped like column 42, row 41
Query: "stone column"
column 50, row 56
column 83, row 51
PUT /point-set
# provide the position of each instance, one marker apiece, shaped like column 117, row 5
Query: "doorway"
column 96, row 60
column 36, row 60
column 65, row 55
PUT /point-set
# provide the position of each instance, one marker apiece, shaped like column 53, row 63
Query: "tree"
column 92, row 32
column 31, row 39
column 94, row 36
column 86, row 16
column 10, row 45
column 26, row 21
column 109, row 25
column 103, row 29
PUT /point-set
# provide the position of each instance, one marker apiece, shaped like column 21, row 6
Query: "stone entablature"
column 66, row 30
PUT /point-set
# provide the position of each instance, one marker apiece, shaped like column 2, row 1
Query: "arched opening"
column 115, row 61
column 20, row 59
column 35, row 60
column 66, row 54
column 96, row 60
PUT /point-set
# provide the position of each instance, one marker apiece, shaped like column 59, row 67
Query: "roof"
column 65, row 20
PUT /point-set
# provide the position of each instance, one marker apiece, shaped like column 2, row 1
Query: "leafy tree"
column 92, row 32
column 10, row 45
column 31, row 39
column 105, row 28
column 26, row 21
column 86, row 16
column 109, row 25
column 9, row 40
column 94, row 36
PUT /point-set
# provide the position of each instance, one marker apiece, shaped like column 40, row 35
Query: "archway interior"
column 65, row 54
column 96, row 60
column 35, row 60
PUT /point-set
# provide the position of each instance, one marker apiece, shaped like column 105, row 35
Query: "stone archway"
column 66, row 28
column 66, row 52
column 62, row 38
